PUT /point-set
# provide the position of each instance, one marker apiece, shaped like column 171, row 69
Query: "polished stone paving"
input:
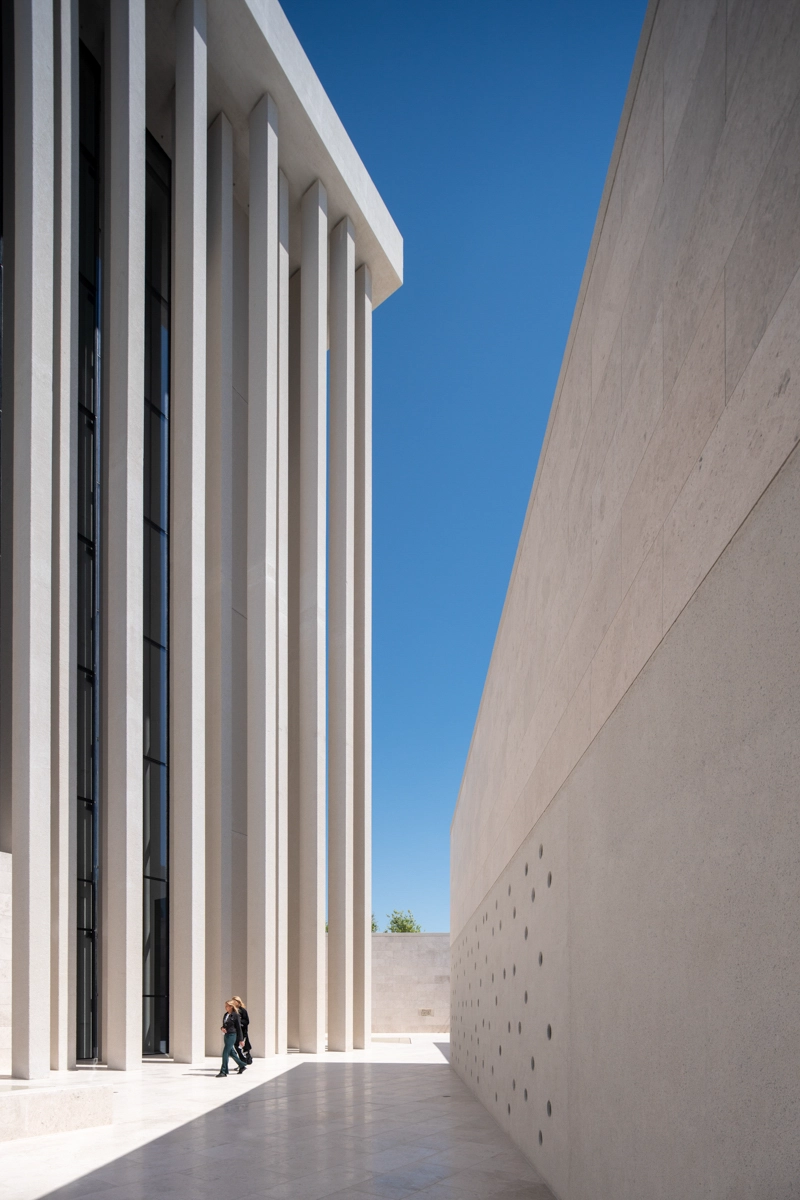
column 386, row 1123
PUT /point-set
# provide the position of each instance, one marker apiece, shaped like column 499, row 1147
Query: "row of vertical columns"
column 287, row 506
column 289, row 701
column 347, row 623
column 188, row 542
column 350, row 647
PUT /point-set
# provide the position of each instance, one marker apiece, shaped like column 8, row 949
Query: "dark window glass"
column 86, row 549
column 156, row 366
column 155, row 468
column 155, row 999
column 86, row 1047
column 155, row 702
column 88, row 103
column 155, row 820
column 155, row 596
column 155, row 940
column 85, row 898
column 85, row 841
column 87, row 320
column 157, row 232
column 86, row 490
column 87, row 241
column 85, row 734
column 155, row 1022
column 85, row 605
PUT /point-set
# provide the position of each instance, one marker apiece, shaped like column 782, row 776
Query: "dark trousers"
column 247, row 1049
column 229, row 1051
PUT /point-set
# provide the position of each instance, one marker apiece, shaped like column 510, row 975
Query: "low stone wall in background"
column 411, row 982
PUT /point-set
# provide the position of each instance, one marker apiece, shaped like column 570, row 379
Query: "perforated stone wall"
column 640, row 713
column 624, row 1001
column 509, row 989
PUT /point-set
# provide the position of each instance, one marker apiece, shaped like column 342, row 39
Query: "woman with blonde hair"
column 232, row 1029
column 247, row 1049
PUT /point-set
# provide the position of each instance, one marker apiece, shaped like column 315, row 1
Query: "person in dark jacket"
column 232, row 1029
column 247, row 1049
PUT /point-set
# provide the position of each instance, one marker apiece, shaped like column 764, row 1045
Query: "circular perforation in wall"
column 549, row 878
column 549, row 1109
column 549, row 1032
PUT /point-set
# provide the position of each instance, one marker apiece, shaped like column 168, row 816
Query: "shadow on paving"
column 328, row 1130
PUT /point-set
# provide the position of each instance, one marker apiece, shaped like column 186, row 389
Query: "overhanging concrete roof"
column 253, row 49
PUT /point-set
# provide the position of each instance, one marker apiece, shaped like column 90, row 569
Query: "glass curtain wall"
column 88, row 419
column 155, row 1008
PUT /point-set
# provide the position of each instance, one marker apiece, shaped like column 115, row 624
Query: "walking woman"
column 232, row 1028
column 247, row 1049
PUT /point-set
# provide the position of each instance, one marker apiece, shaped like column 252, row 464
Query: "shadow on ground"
column 328, row 1131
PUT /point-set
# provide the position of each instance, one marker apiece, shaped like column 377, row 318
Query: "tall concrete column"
column 282, row 801
column 28, row 689
column 219, row 574
column 187, row 542
column 63, row 827
column 293, row 966
column 262, row 570
column 7, row 439
column 312, row 618
column 121, row 1026
column 362, row 674
column 340, row 641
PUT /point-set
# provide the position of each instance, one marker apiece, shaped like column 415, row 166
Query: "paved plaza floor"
column 386, row 1123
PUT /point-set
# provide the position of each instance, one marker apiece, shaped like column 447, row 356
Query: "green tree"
column 374, row 924
column 402, row 922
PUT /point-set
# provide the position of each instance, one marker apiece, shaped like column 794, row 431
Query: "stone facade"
column 623, row 896
column 185, row 584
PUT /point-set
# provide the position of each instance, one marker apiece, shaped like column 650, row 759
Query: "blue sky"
column 488, row 130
